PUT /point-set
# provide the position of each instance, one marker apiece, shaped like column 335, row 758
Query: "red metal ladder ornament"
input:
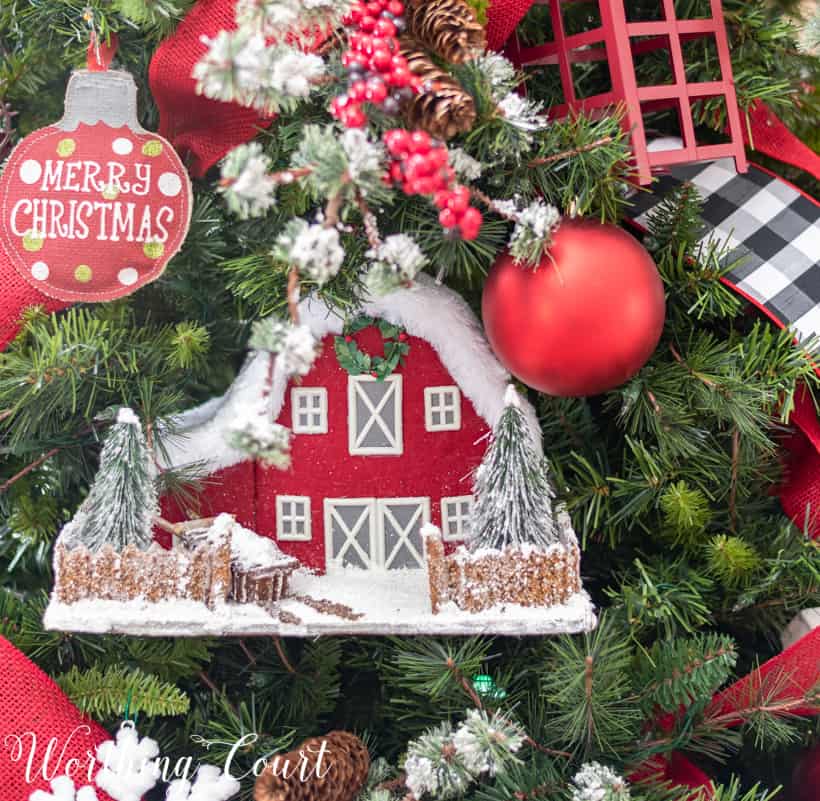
column 614, row 41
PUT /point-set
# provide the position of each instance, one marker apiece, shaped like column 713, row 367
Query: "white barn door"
column 369, row 533
column 400, row 522
column 350, row 533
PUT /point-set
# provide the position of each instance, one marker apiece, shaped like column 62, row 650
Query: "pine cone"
column 345, row 765
column 449, row 28
column 442, row 108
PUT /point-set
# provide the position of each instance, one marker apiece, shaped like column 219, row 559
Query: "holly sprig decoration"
column 356, row 362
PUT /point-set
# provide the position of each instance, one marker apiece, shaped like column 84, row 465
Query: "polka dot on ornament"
column 152, row 148
column 153, row 250
column 83, row 273
column 30, row 171
column 32, row 242
column 170, row 184
column 128, row 276
column 39, row 270
column 122, row 146
column 65, row 147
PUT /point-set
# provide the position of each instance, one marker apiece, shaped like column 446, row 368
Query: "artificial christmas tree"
column 328, row 198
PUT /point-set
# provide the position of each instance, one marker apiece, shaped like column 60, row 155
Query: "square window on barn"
column 455, row 517
column 442, row 408
column 293, row 518
column 374, row 416
column 309, row 410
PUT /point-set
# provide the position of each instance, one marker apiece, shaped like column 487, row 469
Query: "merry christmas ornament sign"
column 94, row 207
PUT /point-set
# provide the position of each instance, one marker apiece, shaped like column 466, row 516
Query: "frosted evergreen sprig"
column 334, row 163
column 433, row 767
column 443, row 762
column 241, row 67
column 394, row 263
column 532, row 235
column 596, row 782
column 526, row 115
column 295, row 345
column 314, row 249
column 499, row 72
column 296, row 19
column 247, row 185
column 467, row 168
column 487, row 744
column 253, row 434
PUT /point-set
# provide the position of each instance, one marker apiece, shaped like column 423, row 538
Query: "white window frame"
column 447, row 399
column 458, row 518
column 334, row 564
column 280, row 518
column 310, row 410
column 383, row 509
column 355, row 436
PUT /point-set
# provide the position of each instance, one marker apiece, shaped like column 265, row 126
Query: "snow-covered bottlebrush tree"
column 513, row 496
column 122, row 502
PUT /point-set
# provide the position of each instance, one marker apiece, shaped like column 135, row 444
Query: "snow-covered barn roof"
column 426, row 310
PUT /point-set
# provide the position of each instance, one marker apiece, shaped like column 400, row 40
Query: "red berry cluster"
column 377, row 72
column 420, row 165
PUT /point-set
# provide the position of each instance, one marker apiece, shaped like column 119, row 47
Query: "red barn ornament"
column 94, row 206
column 616, row 40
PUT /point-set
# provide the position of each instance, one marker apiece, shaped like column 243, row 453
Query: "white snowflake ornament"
column 129, row 767
column 211, row 784
column 63, row 789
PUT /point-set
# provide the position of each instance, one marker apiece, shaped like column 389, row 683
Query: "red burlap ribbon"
column 770, row 136
column 787, row 677
column 17, row 295
column 503, row 17
column 800, row 490
column 31, row 703
column 201, row 130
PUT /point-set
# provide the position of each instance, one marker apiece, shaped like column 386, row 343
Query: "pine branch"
column 585, row 681
column 105, row 692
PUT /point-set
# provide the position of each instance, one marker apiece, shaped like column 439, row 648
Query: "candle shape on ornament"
column 94, row 206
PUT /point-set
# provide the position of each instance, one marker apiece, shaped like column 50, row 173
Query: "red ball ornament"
column 586, row 320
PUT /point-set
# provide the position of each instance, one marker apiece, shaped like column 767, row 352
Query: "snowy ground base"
column 390, row 603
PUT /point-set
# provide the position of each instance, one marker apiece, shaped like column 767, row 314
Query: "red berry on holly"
column 367, row 23
column 357, row 91
column 417, row 164
column 385, row 27
column 396, row 8
column 348, row 338
column 376, row 91
column 402, row 336
column 459, row 200
column 374, row 8
column 447, row 218
column 353, row 117
column 381, row 60
column 400, row 76
column 397, row 141
column 374, row 374
column 441, row 198
column 420, row 142
column 396, row 172
column 470, row 223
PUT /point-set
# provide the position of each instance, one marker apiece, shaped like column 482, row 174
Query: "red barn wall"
column 433, row 465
